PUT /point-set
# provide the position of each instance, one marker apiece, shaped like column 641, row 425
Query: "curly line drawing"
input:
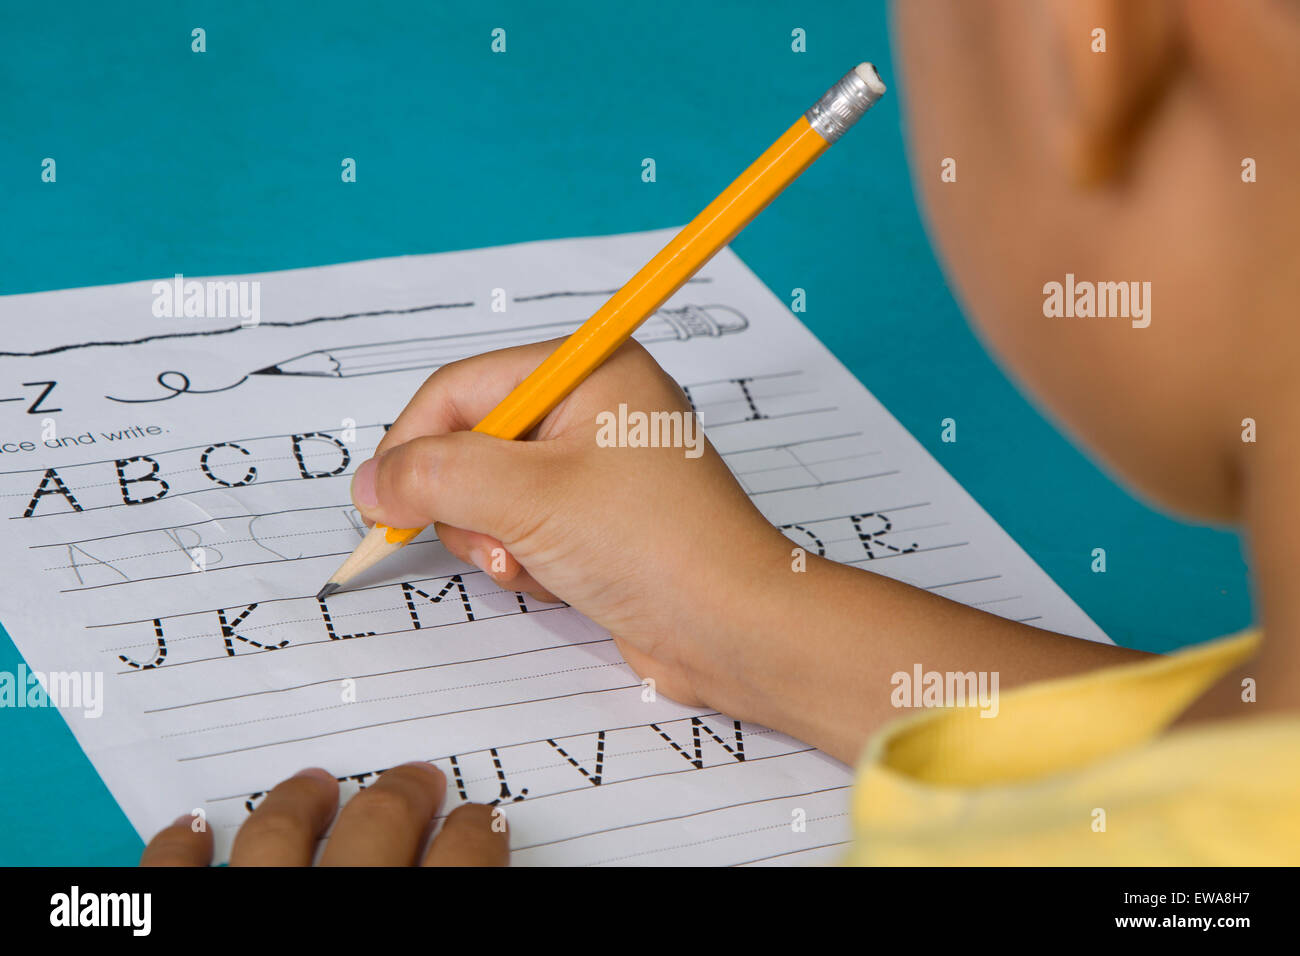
column 175, row 390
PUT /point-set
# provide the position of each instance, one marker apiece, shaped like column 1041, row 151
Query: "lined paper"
column 175, row 489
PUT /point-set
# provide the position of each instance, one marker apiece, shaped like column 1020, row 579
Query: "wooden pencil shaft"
column 697, row 243
column 701, row 239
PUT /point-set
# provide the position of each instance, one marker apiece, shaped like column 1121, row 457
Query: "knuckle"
column 300, row 791
column 415, row 777
column 457, row 449
column 637, row 352
column 642, row 374
column 387, row 802
column 404, row 476
column 643, row 363
column 275, row 825
column 444, row 377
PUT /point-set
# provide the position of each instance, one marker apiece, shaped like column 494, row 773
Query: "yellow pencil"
column 601, row 335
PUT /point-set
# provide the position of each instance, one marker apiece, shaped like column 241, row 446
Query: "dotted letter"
column 150, row 477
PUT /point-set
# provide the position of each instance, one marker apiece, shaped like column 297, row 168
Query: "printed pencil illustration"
column 666, row 325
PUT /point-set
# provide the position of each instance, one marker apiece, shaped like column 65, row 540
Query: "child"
column 1123, row 165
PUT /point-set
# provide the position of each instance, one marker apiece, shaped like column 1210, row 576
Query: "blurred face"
column 1122, row 166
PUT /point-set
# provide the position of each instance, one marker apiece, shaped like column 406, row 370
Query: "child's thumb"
column 464, row 479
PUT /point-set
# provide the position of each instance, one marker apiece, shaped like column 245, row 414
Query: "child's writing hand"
column 667, row 553
column 663, row 550
column 386, row 824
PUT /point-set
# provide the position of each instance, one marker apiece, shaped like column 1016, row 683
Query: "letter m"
column 1115, row 297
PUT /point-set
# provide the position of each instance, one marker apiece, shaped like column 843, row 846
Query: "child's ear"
column 1117, row 59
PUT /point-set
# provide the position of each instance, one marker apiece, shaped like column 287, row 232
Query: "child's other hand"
column 386, row 824
column 662, row 549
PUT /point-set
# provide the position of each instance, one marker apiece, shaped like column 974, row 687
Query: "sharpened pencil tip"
column 329, row 588
column 269, row 370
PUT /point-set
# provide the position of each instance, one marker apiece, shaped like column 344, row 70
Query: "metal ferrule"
column 841, row 106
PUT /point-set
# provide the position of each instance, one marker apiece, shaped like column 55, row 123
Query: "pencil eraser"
column 867, row 73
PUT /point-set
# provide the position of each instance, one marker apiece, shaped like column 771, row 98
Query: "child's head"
column 1122, row 166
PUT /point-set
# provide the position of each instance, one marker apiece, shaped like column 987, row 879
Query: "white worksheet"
column 175, row 459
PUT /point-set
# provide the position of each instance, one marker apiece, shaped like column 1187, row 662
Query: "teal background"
column 228, row 161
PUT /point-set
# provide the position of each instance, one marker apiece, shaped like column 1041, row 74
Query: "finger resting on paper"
column 285, row 827
column 386, row 824
column 472, row 835
column 181, row 844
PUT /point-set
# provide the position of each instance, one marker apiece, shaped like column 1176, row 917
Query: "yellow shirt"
column 1078, row 772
